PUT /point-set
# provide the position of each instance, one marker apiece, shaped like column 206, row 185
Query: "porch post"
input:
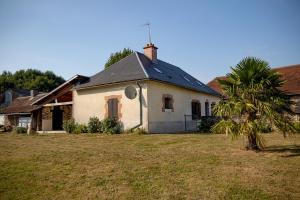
column 32, row 127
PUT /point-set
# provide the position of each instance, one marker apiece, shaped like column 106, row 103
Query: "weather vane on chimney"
column 149, row 31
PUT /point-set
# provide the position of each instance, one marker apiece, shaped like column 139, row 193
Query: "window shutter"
column 112, row 108
column 115, row 108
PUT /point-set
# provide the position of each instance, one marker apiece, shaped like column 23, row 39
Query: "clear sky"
column 204, row 38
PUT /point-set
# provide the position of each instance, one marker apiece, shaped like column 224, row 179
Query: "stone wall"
column 46, row 113
column 11, row 120
column 67, row 112
column 47, row 116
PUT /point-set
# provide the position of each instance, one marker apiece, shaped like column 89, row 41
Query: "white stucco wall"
column 160, row 121
column 91, row 102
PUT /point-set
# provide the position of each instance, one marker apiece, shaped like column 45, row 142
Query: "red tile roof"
column 292, row 76
column 214, row 84
column 289, row 73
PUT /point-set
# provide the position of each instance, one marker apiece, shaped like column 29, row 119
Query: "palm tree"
column 252, row 96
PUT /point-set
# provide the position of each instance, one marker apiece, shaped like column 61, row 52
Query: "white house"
column 163, row 97
column 140, row 90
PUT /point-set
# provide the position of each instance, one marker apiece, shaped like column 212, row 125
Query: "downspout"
column 141, row 107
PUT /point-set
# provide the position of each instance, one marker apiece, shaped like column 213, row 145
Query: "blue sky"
column 204, row 38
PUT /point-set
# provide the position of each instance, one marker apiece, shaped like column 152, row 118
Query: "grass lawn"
column 178, row 166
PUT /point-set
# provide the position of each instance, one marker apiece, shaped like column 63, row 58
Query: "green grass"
column 179, row 166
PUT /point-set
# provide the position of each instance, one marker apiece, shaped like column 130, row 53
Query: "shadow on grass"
column 290, row 150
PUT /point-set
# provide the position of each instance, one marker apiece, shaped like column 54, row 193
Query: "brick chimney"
column 151, row 52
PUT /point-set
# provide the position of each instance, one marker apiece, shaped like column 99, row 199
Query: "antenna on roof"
column 149, row 31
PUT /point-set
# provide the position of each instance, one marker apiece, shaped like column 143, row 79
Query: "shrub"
column 140, row 131
column 297, row 126
column 80, row 128
column 69, row 126
column 20, row 130
column 111, row 126
column 206, row 123
column 94, row 125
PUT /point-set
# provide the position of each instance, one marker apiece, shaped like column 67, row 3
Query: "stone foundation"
column 166, row 127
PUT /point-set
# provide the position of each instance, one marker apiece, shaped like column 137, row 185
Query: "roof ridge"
column 141, row 64
column 111, row 65
column 118, row 61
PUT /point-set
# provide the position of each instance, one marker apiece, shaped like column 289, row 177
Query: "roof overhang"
column 68, row 82
column 25, row 113
column 133, row 81
column 58, row 104
column 109, row 84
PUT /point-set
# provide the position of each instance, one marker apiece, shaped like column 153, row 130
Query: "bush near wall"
column 80, row 128
column 206, row 123
column 94, row 125
column 140, row 131
column 111, row 126
column 69, row 125
column 20, row 130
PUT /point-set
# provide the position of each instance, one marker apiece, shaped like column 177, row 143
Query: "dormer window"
column 168, row 102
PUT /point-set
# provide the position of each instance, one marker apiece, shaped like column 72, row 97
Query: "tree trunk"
column 252, row 143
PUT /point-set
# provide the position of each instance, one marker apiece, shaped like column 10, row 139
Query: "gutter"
column 141, row 107
column 108, row 84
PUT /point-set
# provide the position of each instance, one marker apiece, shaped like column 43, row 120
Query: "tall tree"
column 30, row 79
column 253, row 95
column 115, row 57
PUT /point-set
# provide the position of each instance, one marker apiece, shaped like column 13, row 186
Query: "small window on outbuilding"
column 167, row 103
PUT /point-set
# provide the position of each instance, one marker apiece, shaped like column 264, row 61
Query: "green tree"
column 30, row 79
column 6, row 81
column 115, row 57
column 252, row 95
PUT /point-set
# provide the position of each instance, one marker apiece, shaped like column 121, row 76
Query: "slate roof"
column 138, row 67
column 22, row 104
column 289, row 73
